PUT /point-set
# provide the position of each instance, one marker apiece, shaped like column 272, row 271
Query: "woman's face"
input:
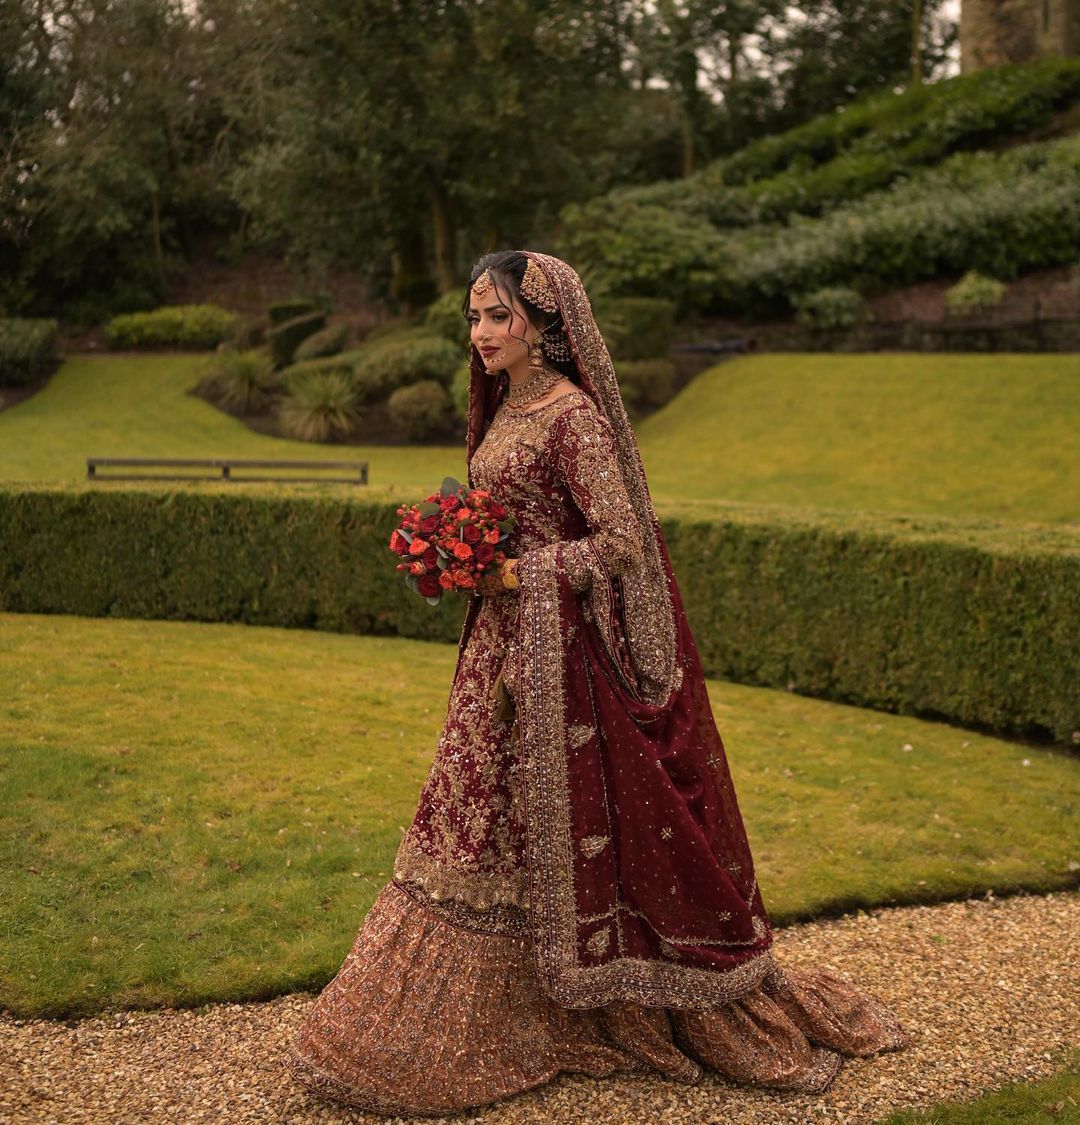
column 499, row 332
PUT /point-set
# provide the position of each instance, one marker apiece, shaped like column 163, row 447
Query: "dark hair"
column 508, row 268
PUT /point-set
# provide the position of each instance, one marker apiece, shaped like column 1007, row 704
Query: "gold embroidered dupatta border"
column 541, row 700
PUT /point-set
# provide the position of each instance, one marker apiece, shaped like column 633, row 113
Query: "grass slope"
column 137, row 406
column 192, row 812
column 955, row 435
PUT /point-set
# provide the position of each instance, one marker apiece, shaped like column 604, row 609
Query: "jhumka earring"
column 536, row 357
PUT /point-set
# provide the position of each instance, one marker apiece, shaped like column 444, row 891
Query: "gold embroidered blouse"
column 556, row 469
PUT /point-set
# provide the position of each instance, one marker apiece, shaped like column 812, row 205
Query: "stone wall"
column 993, row 32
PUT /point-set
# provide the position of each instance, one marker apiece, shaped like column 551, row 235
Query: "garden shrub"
column 973, row 293
column 459, row 391
column 327, row 341
column 646, row 383
column 243, row 380
column 636, row 327
column 973, row 622
column 320, row 406
column 419, row 411
column 834, row 306
column 246, row 333
column 383, row 365
column 281, row 311
column 342, row 362
column 27, row 349
column 175, row 326
column 443, row 318
column 286, row 337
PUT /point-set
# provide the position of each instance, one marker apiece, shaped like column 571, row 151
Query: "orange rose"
column 446, row 580
column 492, row 536
column 464, row 580
column 418, row 546
column 463, row 550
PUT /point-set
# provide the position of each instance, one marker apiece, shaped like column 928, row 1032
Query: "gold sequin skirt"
column 425, row 1018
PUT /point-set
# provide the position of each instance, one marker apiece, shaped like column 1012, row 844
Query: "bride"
column 576, row 891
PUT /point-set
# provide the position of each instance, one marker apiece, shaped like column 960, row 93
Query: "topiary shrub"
column 281, row 311
column 327, row 341
column 831, row 307
column 287, row 337
column 27, row 349
column 178, row 326
column 419, row 411
column 646, row 383
column 973, row 293
column 636, row 327
column 319, row 407
column 243, row 380
column 443, row 318
column 384, row 365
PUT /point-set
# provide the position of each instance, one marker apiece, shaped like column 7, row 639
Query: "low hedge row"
column 975, row 622
column 171, row 326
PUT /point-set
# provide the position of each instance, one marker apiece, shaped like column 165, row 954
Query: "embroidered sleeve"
column 581, row 449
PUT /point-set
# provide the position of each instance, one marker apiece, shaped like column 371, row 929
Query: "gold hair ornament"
column 536, row 288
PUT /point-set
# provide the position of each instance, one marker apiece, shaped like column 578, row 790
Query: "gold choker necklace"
column 534, row 386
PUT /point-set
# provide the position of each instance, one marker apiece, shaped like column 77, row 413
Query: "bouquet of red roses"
column 450, row 539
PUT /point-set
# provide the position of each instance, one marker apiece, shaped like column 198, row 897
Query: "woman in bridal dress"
column 576, row 891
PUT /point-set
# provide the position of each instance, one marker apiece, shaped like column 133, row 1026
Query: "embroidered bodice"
column 556, row 469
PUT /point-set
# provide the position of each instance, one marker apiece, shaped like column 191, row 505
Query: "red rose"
column 431, row 558
column 399, row 544
column 485, row 552
column 498, row 510
column 429, row 525
column 428, row 586
column 450, row 504
column 470, row 533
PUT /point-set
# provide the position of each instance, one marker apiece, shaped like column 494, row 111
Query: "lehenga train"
column 511, row 945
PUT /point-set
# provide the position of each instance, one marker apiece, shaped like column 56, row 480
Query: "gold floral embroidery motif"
column 578, row 734
column 592, row 846
column 599, row 941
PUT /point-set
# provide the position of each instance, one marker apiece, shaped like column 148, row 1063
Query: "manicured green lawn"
column 1056, row 1099
column 957, row 435
column 192, row 812
column 137, row 406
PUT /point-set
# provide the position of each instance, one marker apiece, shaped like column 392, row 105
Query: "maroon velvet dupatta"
column 641, row 881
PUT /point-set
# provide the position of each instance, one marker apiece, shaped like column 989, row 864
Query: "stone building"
column 993, row 32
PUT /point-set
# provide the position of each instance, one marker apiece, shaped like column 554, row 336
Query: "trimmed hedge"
column 972, row 622
column 171, row 326
column 27, row 350
column 285, row 338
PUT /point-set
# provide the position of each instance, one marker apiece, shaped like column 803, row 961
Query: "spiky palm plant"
column 320, row 406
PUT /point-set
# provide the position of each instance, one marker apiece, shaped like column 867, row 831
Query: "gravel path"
column 985, row 986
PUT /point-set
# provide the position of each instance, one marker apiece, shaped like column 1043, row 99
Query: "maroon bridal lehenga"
column 576, row 891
